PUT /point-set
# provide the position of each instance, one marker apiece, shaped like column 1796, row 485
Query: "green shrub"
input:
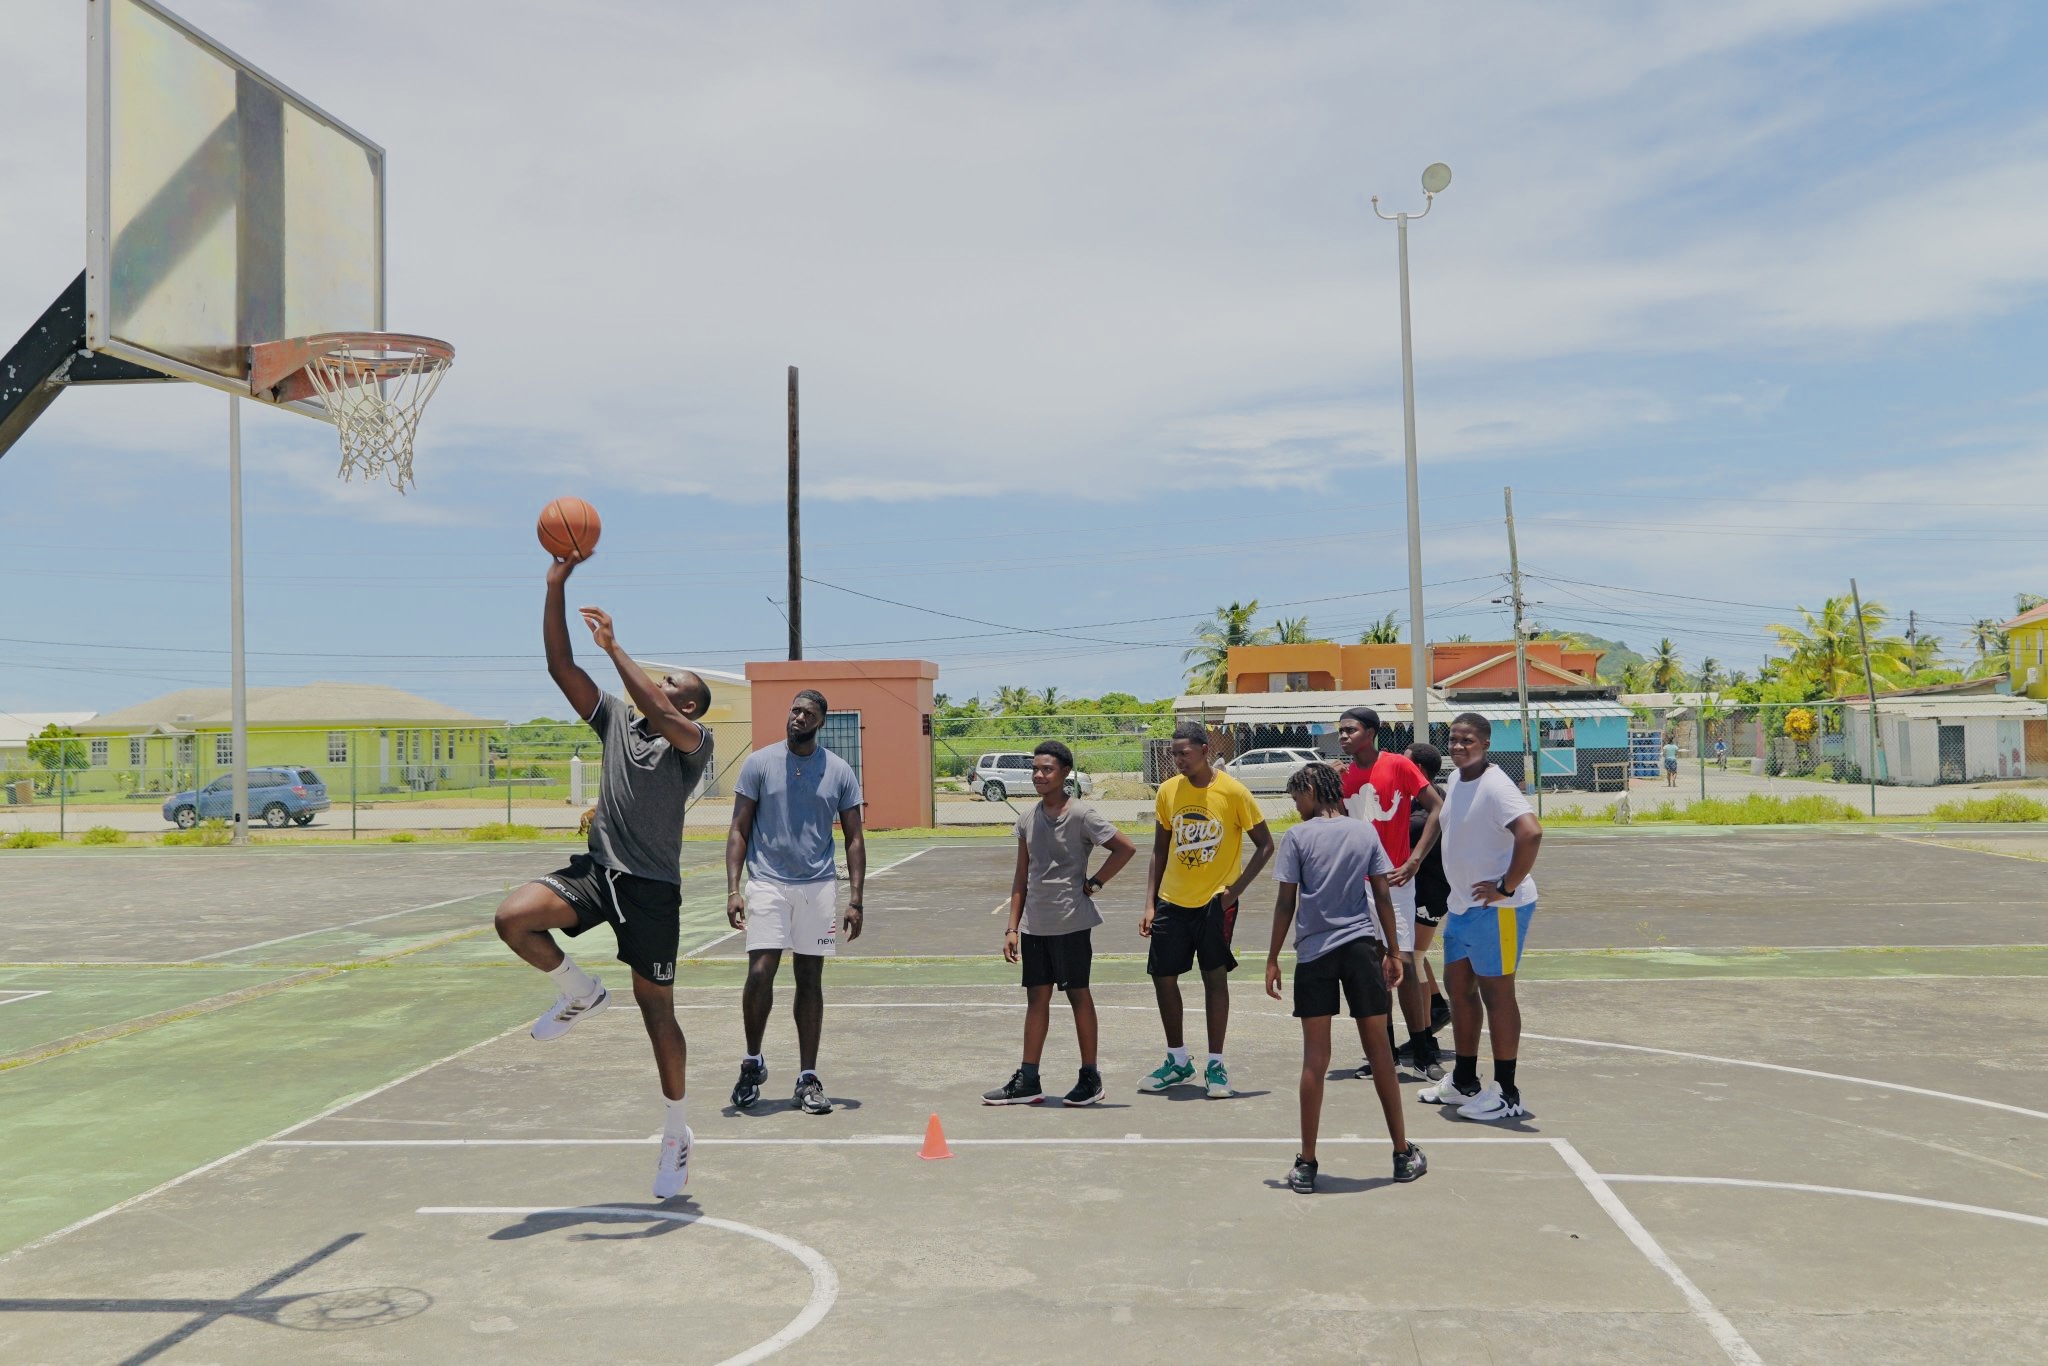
column 401, row 837
column 104, row 834
column 502, row 830
column 28, row 839
column 2006, row 806
column 207, row 834
column 1755, row 809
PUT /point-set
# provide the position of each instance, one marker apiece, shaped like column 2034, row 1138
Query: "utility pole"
column 1529, row 749
column 796, row 540
column 238, row 677
column 1870, row 684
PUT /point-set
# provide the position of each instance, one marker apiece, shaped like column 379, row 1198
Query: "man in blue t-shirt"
column 1333, row 874
column 784, row 803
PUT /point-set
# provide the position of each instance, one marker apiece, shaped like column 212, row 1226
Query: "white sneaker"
column 564, row 1014
column 1491, row 1107
column 672, row 1170
column 1446, row 1092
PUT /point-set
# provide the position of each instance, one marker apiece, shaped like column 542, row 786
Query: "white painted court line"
column 879, row 1141
column 1887, row 1196
column 329, row 929
column 892, row 867
column 1724, row 1333
column 8, row 998
column 246, row 1149
column 1798, row 1072
column 885, row 868
column 824, row 1280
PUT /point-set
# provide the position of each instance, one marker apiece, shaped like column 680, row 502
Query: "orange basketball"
column 569, row 528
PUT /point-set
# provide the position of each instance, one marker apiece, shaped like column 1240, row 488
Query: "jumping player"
column 784, row 803
column 631, row 878
column 1382, row 789
column 1490, row 841
column 1192, row 886
column 1052, row 898
column 1333, row 889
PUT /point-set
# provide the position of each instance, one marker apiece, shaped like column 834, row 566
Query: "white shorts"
column 802, row 917
column 1404, row 914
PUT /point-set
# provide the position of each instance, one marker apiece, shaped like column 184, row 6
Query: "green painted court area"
column 279, row 1104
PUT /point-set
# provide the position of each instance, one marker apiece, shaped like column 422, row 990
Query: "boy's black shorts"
column 1355, row 968
column 1183, row 936
column 1058, row 960
column 645, row 914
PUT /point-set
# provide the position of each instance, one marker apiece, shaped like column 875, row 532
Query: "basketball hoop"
column 373, row 386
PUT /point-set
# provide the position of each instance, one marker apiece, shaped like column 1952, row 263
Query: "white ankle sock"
column 677, row 1120
column 1216, row 1057
column 573, row 981
column 758, row 1059
column 1179, row 1056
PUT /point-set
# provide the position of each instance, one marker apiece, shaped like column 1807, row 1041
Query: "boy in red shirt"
column 1383, row 788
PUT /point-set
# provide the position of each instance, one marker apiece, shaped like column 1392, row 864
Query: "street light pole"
column 1433, row 181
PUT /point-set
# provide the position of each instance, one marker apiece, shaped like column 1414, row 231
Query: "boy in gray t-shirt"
column 1333, row 873
column 1053, row 918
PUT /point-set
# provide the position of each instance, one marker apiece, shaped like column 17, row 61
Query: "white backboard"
column 222, row 209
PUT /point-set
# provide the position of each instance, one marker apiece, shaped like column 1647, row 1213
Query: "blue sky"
column 1097, row 331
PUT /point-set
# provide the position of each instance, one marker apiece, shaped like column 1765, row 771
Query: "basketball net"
column 374, row 395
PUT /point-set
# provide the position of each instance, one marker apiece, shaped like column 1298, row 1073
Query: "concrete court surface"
column 1916, row 1230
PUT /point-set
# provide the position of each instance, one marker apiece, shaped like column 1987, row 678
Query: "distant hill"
column 1617, row 658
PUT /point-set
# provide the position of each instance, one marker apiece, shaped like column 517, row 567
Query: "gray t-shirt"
column 1331, row 861
column 1056, row 899
column 796, row 797
column 646, row 789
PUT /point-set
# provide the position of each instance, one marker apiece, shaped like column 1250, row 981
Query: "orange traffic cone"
column 934, row 1142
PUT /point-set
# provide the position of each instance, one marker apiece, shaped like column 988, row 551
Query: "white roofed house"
column 1929, row 738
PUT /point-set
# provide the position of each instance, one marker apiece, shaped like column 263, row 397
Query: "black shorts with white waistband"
column 1355, row 968
column 1183, row 936
column 645, row 913
column 1058, row 960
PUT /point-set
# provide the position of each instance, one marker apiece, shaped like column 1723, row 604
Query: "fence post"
column 1699, row 742
column 63, row 773
column 353, row 738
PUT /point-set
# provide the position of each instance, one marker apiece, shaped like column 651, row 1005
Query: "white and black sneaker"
column 1087, row 1090
column 1411, row 1165
column 810, row 1095
column 746, row 1092
column 1494, row 1106
column 1446, row 1092
column 567, row 1013
column 672, row 1169
column 1018, row 1090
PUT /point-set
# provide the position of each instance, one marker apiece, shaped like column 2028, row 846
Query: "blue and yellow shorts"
column 1490, row 937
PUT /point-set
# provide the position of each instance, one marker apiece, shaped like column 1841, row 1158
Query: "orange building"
column 880, row 722
column 1454, row 667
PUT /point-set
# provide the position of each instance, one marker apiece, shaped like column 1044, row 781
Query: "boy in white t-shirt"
column 1490, row 838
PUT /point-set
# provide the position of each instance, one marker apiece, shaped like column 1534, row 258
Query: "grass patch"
column 1755, row 809
column 2006, row 806
column 29, row 839
column 207, row 835
column 402, row 837
column 104, row 834
column 501, row 830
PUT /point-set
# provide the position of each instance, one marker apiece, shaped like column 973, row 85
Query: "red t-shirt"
column 1394, row 780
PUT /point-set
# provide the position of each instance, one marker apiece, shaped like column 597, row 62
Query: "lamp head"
column 1436, row 178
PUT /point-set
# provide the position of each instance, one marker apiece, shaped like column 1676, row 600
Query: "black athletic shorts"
column 1059, row 960
column 1353, row 967
column 1183, row 936
column 644, row 913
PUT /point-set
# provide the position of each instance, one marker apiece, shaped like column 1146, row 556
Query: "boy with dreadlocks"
column 1333, row 889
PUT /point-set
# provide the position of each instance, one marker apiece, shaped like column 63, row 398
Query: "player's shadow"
column 660, row 1221
column 1184, row 1093
column 1335, row 1185
column 786, row 1105
column 1448, row 1115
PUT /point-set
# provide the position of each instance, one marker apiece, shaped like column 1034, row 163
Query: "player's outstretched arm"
column 577, row 686
column 679, row 730
column 1283, row 918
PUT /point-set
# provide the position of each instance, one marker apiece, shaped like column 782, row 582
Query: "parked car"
column 1267, row 770
column 997, row 777
column 277, row 796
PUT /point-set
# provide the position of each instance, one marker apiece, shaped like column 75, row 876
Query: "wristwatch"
column 853, row 905
column 1502, row 884
column 1093, row 885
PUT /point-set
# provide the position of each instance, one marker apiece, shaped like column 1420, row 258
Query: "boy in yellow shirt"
column 1193, row 883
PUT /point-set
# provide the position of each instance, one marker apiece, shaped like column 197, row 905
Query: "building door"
column 1949, row 746
column 2037, row 745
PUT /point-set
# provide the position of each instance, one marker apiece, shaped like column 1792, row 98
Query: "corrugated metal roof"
column 1547, row 709
column 1300, row 708
column 1955, row 708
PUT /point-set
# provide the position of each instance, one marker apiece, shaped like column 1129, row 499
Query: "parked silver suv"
column 998, row 777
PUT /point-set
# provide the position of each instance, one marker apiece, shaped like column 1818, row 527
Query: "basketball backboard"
column 223, row 210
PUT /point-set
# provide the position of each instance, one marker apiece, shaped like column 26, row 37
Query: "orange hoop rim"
column 277, row 370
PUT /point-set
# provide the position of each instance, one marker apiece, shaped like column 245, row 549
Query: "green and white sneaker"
column 1170, row 1073
column 1218, row 1081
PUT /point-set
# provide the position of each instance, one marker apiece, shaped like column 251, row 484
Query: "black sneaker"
column 746, row 1092
column 1018, row 1090
column 1303, row 1177
column 1364, row 1072
column 810, row 1096
column 1411, row 1165
column 1429, row 1063
column 1439, row 1013
column 1087, row 1090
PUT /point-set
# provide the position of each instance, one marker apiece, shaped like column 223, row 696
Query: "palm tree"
column 1635, row 677
column 1923, row 653
column 1666, row 668
column 1385, row 631
column 1010, row 700
column 1292, row 631
column 1710, row 674
column 1987, row 638
column 1826, row 647
column 1051, row 699
column 1214, row 638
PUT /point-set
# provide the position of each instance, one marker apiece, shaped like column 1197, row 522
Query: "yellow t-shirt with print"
column 1208, row 826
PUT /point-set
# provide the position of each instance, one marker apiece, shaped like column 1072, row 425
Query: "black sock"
column 1465, row 1076
column 1031, row 1071
column 1504, row 1073
column 1437, row 1002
